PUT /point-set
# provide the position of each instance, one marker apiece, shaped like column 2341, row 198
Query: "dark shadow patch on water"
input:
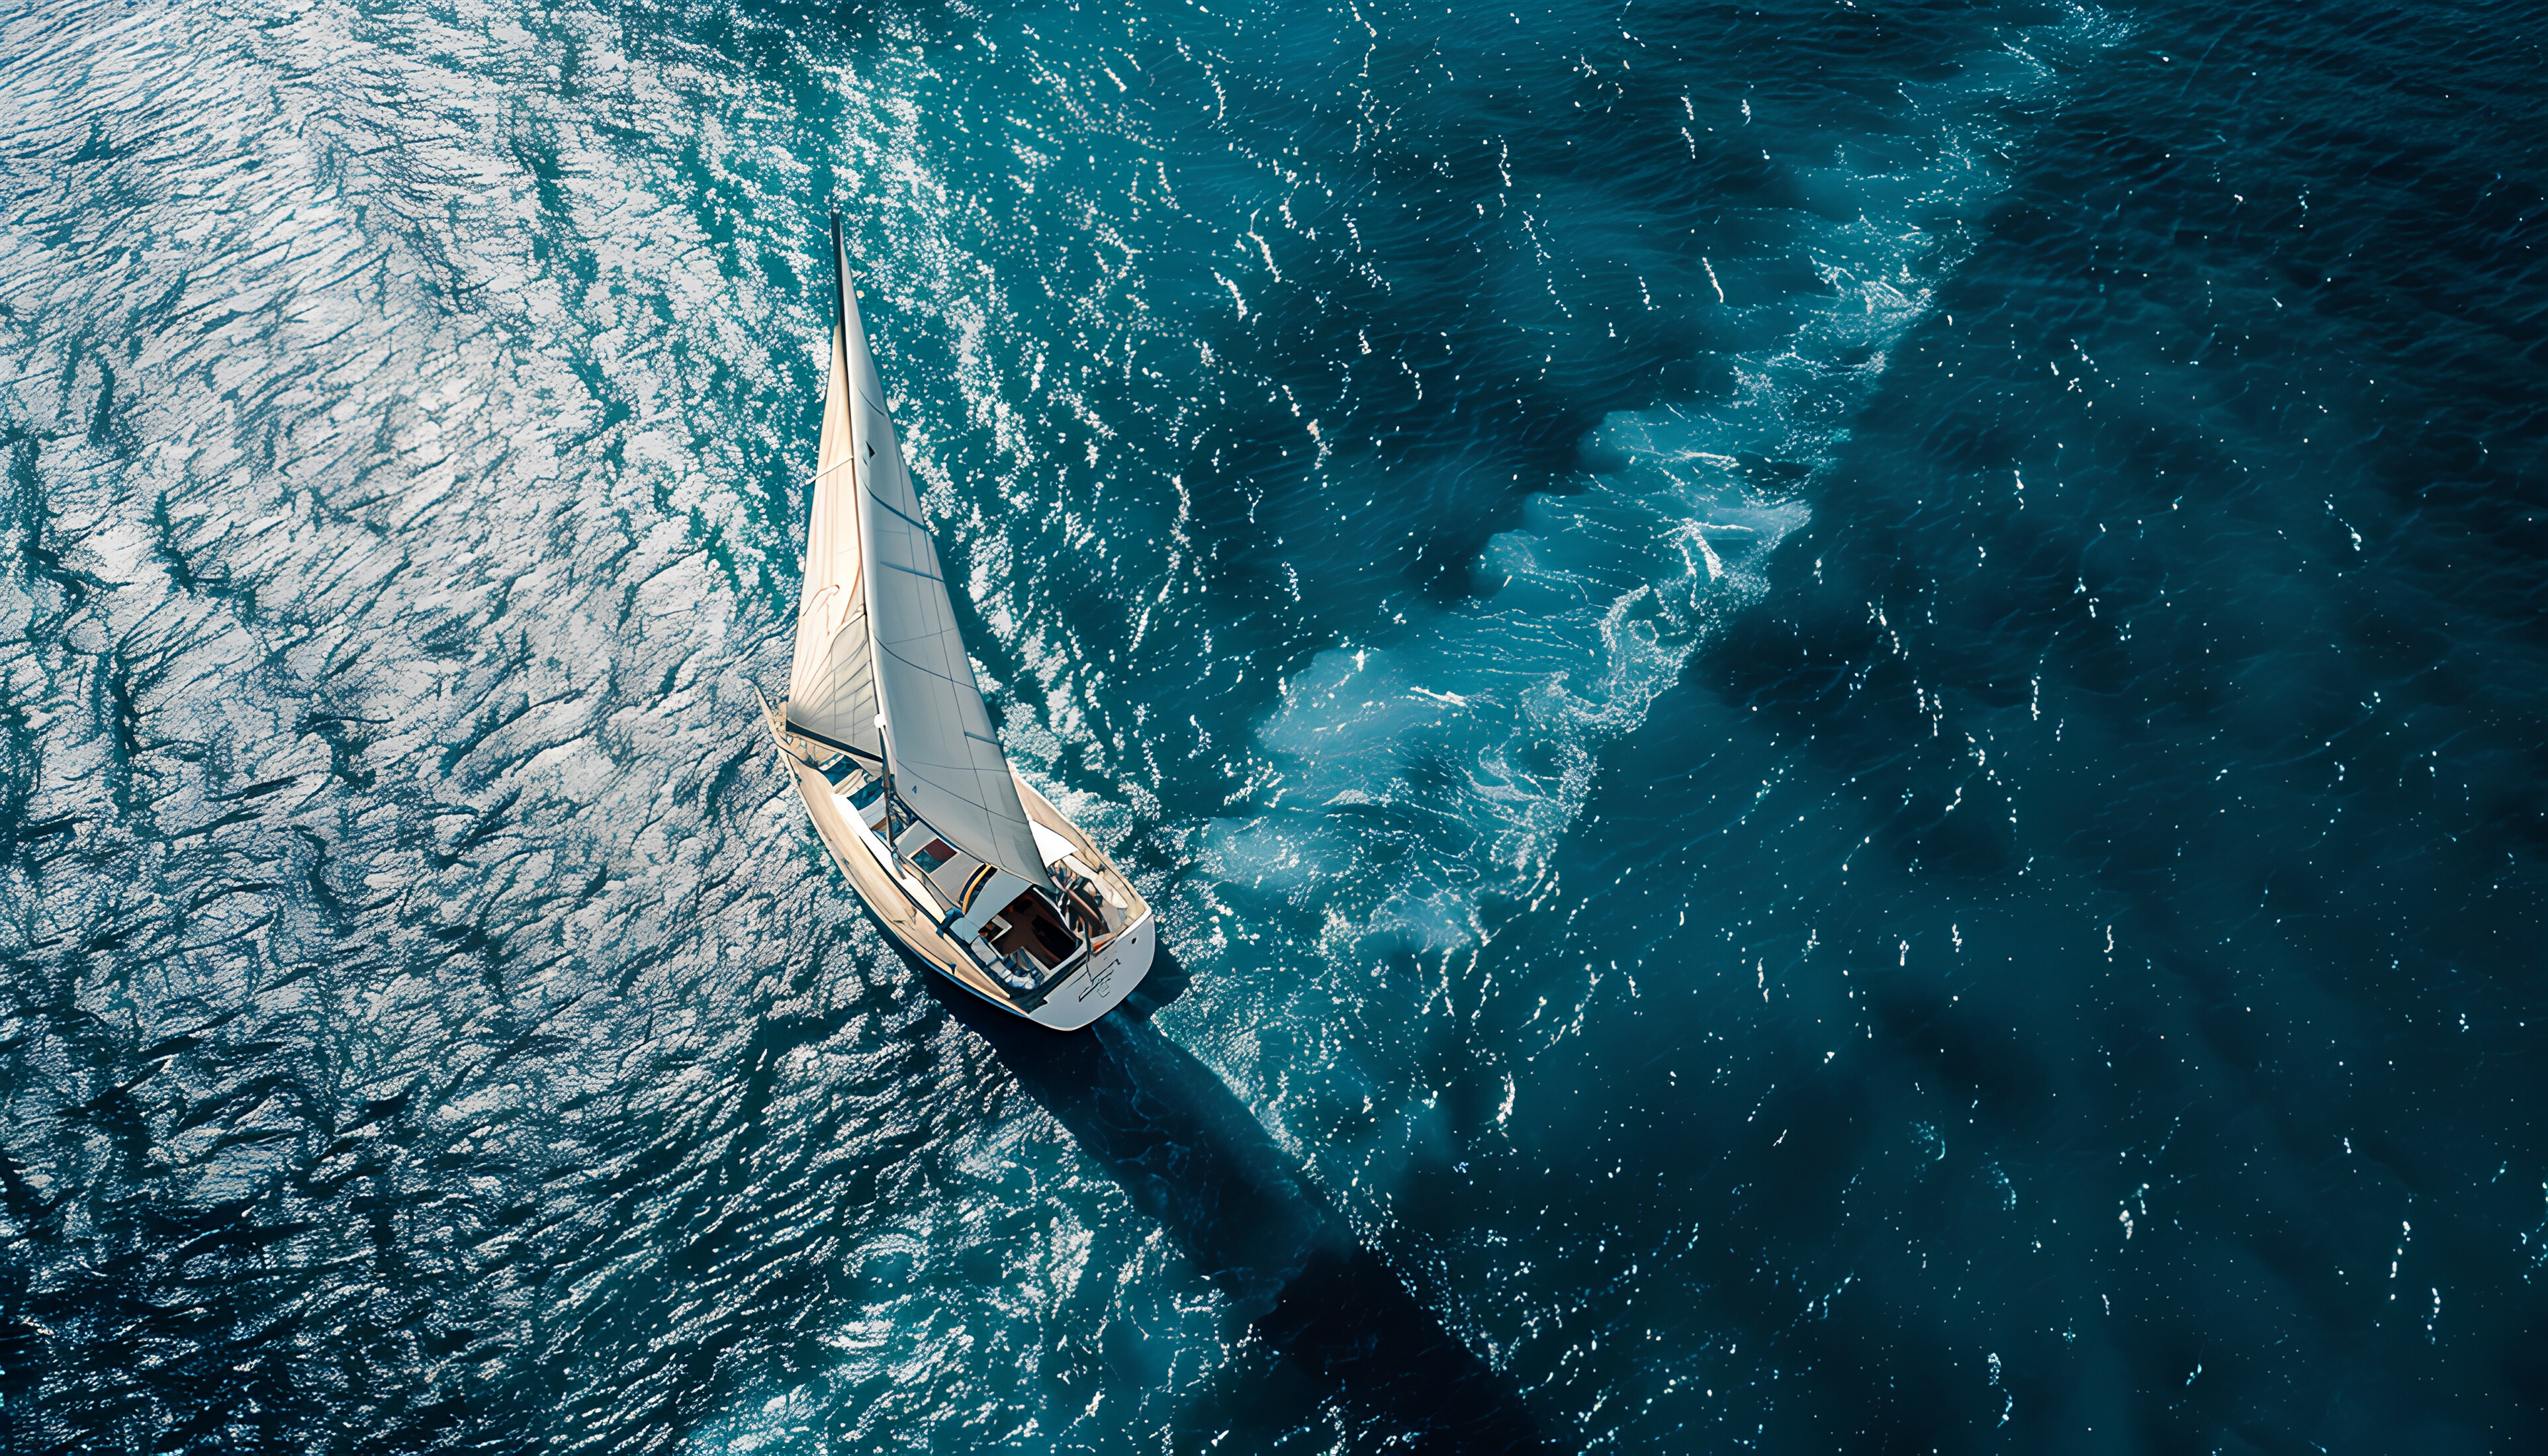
column 1337, row 1322
column 2154, row 826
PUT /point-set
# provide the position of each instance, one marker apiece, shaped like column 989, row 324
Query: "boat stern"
column 1101, row 985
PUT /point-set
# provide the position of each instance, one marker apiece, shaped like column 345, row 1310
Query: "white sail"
column 831, row 694
column 960, row 861
column 941, row 755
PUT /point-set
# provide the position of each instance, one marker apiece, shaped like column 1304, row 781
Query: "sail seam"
column 920, row 526
column 946, row 677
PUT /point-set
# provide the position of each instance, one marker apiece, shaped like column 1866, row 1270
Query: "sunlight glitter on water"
column 1392, row 463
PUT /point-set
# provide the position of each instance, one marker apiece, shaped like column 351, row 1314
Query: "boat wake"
column 1422, row 778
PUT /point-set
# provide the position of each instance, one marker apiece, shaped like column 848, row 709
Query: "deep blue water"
column 1840, row 710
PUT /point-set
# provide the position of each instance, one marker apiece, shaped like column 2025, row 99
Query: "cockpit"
column 1034, row 937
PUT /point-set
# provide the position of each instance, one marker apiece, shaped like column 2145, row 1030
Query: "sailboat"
column 896, row 759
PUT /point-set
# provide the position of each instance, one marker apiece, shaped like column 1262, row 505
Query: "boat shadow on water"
column 1334, row 1319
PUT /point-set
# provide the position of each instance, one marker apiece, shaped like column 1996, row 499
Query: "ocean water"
column 1840, row 711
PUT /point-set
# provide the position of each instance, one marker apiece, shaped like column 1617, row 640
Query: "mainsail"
column 890, row 679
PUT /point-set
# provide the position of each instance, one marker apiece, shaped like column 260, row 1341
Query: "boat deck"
column 1083, row 992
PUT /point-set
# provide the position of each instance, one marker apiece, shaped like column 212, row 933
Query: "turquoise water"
column 1836, row 711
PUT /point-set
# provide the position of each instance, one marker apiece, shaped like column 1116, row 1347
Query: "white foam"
column 1416, row 775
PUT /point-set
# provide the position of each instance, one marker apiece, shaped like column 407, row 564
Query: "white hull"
column 889, row 739
column 905, row 906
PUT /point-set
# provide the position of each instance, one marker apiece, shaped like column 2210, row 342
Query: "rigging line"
column 801, row 731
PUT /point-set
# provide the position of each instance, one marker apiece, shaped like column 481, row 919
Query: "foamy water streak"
column 1434, row 767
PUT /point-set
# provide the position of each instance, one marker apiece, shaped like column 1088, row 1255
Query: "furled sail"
column 831, row 694
column 941, row 753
